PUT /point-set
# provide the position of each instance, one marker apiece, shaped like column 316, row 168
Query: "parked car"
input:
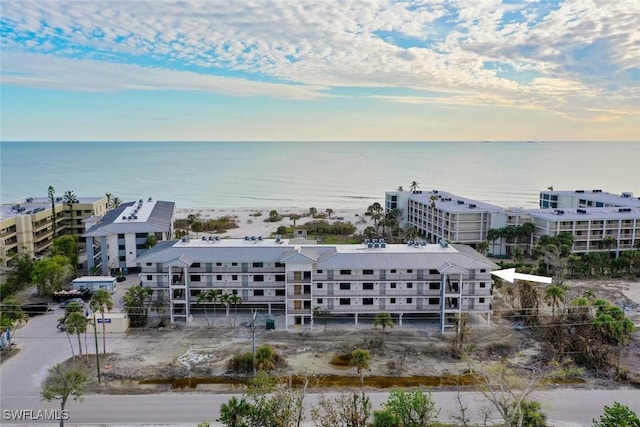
column 80, row 301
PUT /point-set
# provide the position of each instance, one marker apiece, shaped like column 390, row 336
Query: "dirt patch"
column 160, row 357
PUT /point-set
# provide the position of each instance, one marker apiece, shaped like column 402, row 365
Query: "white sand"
column 250, row 225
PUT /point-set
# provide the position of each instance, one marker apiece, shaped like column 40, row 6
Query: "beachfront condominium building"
column 115, row 240
column 26, row 226
column 414, row 280
column 598, row 221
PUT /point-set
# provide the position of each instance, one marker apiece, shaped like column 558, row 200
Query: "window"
column 234, row 264
column 195, row 265
column 121, row 247
column 279, row 277
column 409, row 300
column 393, row 286
column 122, row 258
column 279, row 292
column 432, row 271
column 149, row 264
column 218, row 264
column 258, row 277
column 481, row 300
column 345, row 286
column 141, row 246
column 409, row 271
column 318, row 285
column 149, row 277
column 367, row 286
column 434, row 286
column 319, row 300
column 234, row 277
column 393, row 270
column 367, row 301
column 194, row 277
column 409, row 285
column 345, row 301
column 258, row 292
column 319, row 271
column 219, row 277
column 345, row 272
column 392, row 301
column 258, row 264
column 434, row 301
column 120, row 236
column 483, row 285
column 367, row 271
column 483, row 270
column 279, row 265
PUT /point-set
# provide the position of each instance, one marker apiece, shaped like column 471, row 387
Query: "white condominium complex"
column 590, row 216
column 115, row 240
column 411, row 280
column 26, row 226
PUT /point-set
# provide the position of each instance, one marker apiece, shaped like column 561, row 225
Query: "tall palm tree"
column 108, row 195
column 204, row 296
column 313, row 211
column 70, row 199
column 493, row 234
column 400, row 188
column 414, row 186
column 360, row 359
column 329, row 212
column 101, row 301
column 77, row 324
column 116, row 202
column 224, row 300
column 52, row 199
column 383, row 319
column 236, row 300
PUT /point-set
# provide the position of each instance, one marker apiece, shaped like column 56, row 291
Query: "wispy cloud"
column 565, row 57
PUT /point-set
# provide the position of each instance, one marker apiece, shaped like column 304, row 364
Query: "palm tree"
column 233, row 412
column 313, row 211
column 52, row 192
column 360, row 359
column 493, row 234
column 414, row 186
column 483, row 247
column 329, row 212
column 294, row 218
column 265, row 358
column 433, row 199
column 108, row 196
column 204, row 296
column 116, row 202
column 197, row 227
column 235, row 300
column 101, row 301
column 553, row 295
column 383, row 319
column 77, row 324
column 400, row 188
column 224, row 299
column 69, row 200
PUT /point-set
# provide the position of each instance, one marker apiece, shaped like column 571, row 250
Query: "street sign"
column 107, row 320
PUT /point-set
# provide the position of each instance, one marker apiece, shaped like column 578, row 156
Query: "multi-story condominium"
column 590, row 217
column 438, row 281
column 587, row 199
column 115, row 240
column 594, row 229
column 26, row 225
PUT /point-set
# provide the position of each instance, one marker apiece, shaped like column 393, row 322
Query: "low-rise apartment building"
column 438, row 281
column 115, row 240
column 586, row 199
column 26, row 226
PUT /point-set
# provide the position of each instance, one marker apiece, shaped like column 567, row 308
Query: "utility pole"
column 253, row 338
column 95, row 334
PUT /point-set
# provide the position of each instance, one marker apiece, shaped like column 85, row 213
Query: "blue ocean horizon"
column 308, row 173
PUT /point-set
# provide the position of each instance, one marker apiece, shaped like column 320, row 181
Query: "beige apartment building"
column 26, row 225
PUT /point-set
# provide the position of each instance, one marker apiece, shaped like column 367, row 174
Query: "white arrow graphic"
column 510, row 275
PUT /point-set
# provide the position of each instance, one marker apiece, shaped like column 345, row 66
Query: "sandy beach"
column 250, row 223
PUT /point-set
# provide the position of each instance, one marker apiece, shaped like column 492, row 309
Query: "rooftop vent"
column 559, row 212
column 460, row 202
column 124, row 217
column 627, row 195
column 579, row 191
column 443, row 243
column 597, row 191
column 472, row 205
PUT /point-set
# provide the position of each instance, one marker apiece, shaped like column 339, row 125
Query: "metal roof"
column 157, row 219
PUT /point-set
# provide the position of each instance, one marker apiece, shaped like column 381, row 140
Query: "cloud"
column 573, row 52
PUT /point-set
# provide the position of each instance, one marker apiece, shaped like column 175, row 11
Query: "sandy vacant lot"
column 418, row 350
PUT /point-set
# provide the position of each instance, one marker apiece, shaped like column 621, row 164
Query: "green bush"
column 241, row 363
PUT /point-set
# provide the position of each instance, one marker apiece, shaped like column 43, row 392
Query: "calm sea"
column 320, row 174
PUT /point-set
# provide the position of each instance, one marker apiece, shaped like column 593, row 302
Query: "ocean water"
column 321, row 174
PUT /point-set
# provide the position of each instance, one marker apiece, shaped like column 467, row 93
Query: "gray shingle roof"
column 159, row 220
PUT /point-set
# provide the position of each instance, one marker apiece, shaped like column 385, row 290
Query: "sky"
column 320, row 70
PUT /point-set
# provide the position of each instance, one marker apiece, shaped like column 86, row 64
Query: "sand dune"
column 252, row 225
